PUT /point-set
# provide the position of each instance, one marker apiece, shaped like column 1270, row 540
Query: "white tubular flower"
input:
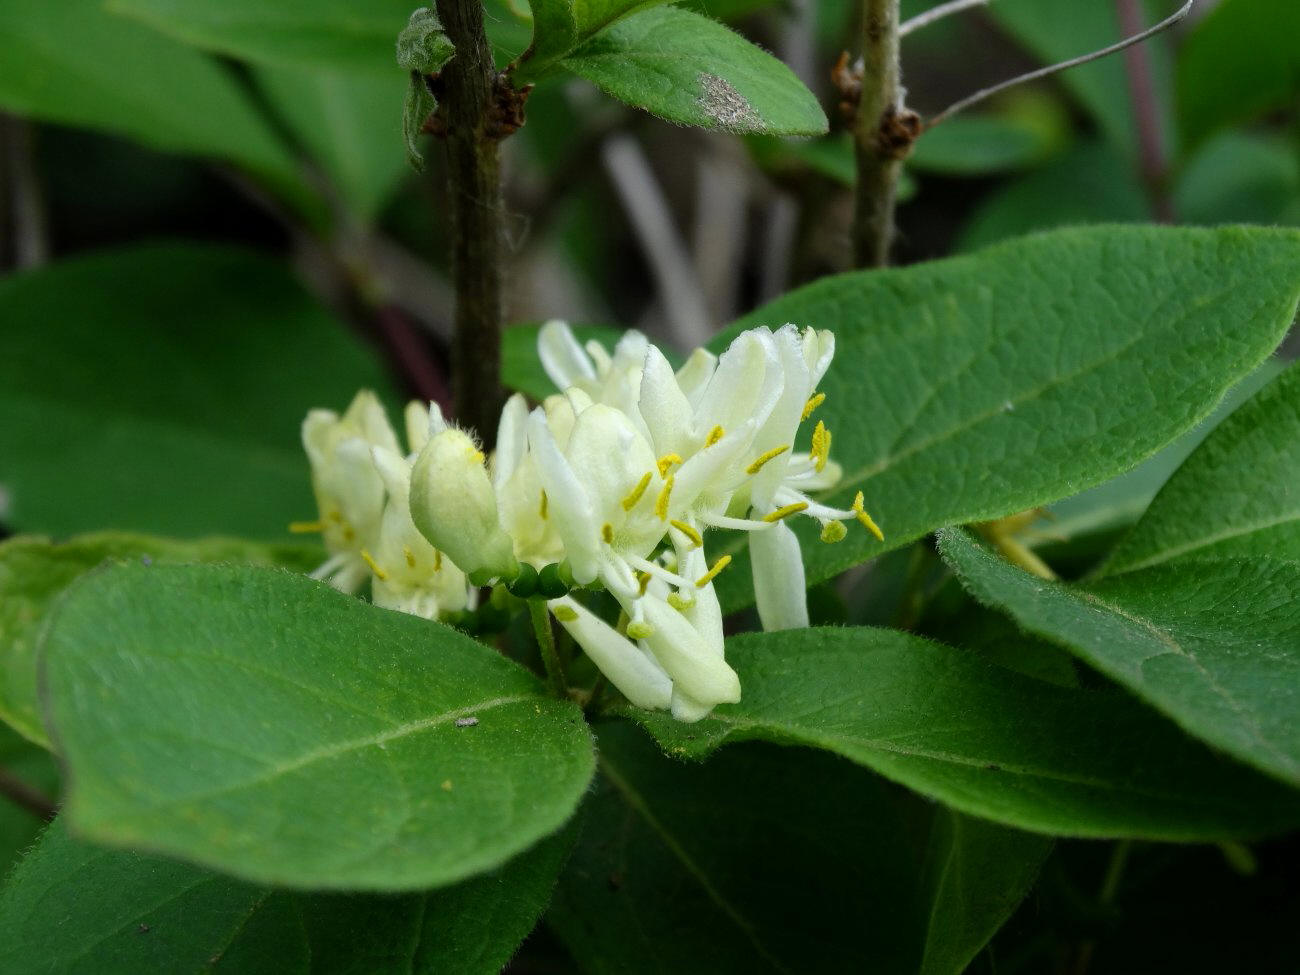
column 349, row 490
column 627, row 666
column 410, row 575
column 523, row 504
column 454, row 507
column 614, row 381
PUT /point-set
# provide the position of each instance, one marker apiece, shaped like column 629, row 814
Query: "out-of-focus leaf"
column 1090, row 184
column 76, row 908
column 977, row 145
column 521, row 369
column 1238, row 494
column 34, row 572
column 71, row 62
column 265, row 725
column 694, row 71
column 161, row 388
column 1238, row 178
column 727, row 869
column 350, row 122
column 1240, row 61
column 988, row 741
column 1213, row 644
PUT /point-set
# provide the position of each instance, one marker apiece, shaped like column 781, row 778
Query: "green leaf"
column 1091, row 184
column 75, row 908
column 161, row 388
column 694, row 71
column 1240, row 61
column 977, row 145
column 34, row 572
column 1237, row 494
column 1214, row 644
column 72, row 63
column 23, row 762
column 340, row 34
column 1056, row 30
column 988, row 741
column 560, row 26
column 777, row 860
column 979, row 386
column 1239, row 178
column 265, row 725
column 350, row 122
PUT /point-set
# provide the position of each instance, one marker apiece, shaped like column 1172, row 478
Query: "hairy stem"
column 474, row 177
column 877, row 163
column 546, row 643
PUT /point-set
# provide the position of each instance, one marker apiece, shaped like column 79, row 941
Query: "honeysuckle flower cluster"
column 613, row 483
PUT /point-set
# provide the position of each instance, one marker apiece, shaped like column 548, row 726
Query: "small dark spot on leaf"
column 993, row 768
column 144, row 929
column 146, row 560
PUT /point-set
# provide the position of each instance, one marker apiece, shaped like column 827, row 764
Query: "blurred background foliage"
column 207, row 225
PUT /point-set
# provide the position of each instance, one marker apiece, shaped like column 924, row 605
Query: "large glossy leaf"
column 1214, row 644
column 1241, row 60
column 988, row 741
column 161, row 388
column 76, row 908
column 778, row 860
column 263, row 724
column 34, row 572
column 316, row 33
column 979, row 386
column 73, row 63
column 350, row 121
column 1237, row 494
column 694, row 71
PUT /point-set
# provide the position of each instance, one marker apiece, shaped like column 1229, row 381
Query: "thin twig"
column 648, row 210
column 938, row 13
column 1152, row 153
column 878, row 157
column 27, row 796
column 1052, row 69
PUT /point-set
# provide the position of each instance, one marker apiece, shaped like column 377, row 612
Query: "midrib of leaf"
column 1166, row 638
column 256, row 906
column 637, row 802
column 342, row 748
column 1236, row 531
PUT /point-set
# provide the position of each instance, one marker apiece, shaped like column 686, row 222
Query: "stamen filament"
column 634, row 495
column 737, row 524
column 708, row 577
column 658, row 571
column 785, row 511
column 689, row 531
column 763, row 458
column 380, row 574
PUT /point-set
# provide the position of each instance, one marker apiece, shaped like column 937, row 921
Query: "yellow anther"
column 833, row 531
column 689, row 531
column 348, row 534
column 718, row 566
column 478, row 457
column 865, row 518
column 785, row 511
column 679, row 602
column 821, row 446
column 661, row 502
column 716, row 434
column 544, row 506
column 306, row 527
column 380, row 574
column 607, row 533
column 635, row 494
column 437, row 560
column 666, row 462
column 410, row 556
column 565, row 614
column 640, row 630
column 335, row 516
column 643, row 582
column 762, row 459
column 812, row 404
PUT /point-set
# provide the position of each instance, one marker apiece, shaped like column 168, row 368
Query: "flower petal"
column 642, row 681
column 778, row 578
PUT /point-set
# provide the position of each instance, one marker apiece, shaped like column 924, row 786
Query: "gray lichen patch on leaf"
column 726, row 106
